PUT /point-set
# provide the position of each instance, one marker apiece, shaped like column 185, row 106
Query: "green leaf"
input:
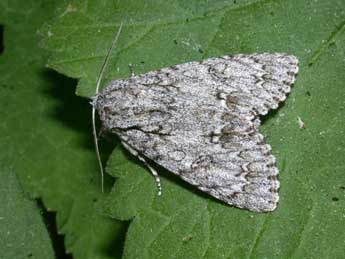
column 46, row 136
column 185, row 223
column 23, row 233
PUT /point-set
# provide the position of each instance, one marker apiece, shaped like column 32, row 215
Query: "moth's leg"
column 131, row 69
column 101, row 131
column 153, row 171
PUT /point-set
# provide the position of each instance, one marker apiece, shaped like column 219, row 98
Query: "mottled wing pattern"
column 200, row 121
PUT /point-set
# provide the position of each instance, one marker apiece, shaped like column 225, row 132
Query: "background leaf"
column 46, row 137
column 184, row 223
column 23, row 233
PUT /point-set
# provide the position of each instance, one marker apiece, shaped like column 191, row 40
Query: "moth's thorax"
column 124, row 105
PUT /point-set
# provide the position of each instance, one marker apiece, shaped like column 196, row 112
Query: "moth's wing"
column 235, row 166
column 199, row 120
column 256, row 83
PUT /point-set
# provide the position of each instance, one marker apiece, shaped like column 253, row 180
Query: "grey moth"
column 200, row 120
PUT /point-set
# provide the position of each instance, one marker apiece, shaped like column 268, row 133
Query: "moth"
column 200, row 120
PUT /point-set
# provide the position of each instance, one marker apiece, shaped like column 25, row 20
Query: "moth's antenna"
column 94, row 131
